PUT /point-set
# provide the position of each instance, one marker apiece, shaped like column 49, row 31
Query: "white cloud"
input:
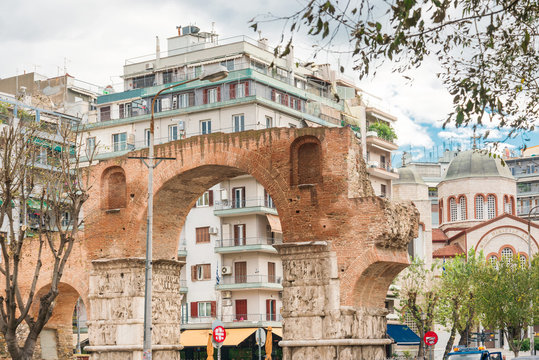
column 411, row 133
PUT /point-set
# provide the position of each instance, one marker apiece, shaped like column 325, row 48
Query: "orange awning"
column 275, row 223
column 200, row 337
column 278, row 331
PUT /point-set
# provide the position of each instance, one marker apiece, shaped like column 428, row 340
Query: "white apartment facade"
column 232, row 272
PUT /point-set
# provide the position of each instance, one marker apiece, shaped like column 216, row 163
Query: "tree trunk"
column 464, row 334
column 511, row 340
column 421, row 351
column 449, row 345
column 13, row 345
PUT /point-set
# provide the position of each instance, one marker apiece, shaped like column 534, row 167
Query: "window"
column 229, row 64
column 239, row 235
column 238, row 122
column 206, row 199
column 202, row 235
column 271, row 272
column 204, row 309
column 453, row 209
column 268, row 201
column 104, row 113
column 462, row 207
column 183, row 100
column 479, row 208
column 523, row 260
column 383, row 190
column 146, row 137
column 295, row 103
column 270, row 310
column 167, row 76
column 172, row 132
column 491, row 207
column 493, row 260
column 433, row 192
column 205, row 127
column 198, row 70
column 506, row 205
column 240, row 272
column 66, row 219
column 90, row 146
column 507, row 254
column 240, row 90
column 42, row 155
column 212, row 95
column 200, row 272
column 119, row 141
column 238, row 197
column 241, row 309
column 269, row 122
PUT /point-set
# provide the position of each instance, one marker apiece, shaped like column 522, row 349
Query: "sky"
column 92, row 40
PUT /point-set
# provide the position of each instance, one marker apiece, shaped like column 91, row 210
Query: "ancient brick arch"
column 338, row 239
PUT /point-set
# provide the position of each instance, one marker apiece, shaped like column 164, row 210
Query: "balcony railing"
column 248, row 241
column 233, row 318
column 384, row 165
column 250, row 279
column 243, row 203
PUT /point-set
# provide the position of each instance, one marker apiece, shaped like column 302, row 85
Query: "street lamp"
column 218, row 73
column 531, row 329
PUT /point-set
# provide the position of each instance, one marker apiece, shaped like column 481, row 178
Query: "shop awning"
column 275, row 223
column 402, row 334
column 278, row 331
column 200, row 337
column 35, row 204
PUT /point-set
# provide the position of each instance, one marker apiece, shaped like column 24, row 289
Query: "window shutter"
column 272, row 95
column 210, row 196
column 194, row 309
column 205, row 96
column 194, row 273
column 232, row 91
column 244, row 237
column 218, row 93
column 206, row 271
column 247, row 88
column 265, row 198
column 213, row 308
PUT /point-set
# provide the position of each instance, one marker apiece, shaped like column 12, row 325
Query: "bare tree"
column 40, row 164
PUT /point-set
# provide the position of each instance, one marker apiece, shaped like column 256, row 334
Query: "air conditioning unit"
column 149, row 66
column 224, row 194
column 227, row 294
column 213, row 230
column 181, row 125
column 226, row 270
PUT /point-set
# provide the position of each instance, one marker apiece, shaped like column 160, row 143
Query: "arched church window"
column 453, row 209
column 507, row 254
column 462, row 208
column 491, row 207
column 506, row 205
column 523, row 260
column 479, row 208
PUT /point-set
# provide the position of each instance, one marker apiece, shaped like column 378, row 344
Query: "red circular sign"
column 219, row 334
column 430, row 338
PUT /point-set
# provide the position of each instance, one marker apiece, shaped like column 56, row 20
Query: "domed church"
column 476, row 199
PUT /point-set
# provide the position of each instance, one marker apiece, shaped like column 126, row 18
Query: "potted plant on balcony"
column 384, row 131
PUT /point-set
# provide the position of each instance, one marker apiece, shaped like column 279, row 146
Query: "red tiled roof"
column 438, row 236
column 448, row 251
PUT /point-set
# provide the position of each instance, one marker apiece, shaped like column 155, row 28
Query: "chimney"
column 179, row 30
column 157, row 51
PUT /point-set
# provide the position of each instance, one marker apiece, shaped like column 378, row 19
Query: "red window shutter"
column 219, row 93
column 205, row 96
column 265, row 198
column 232, row 91
column 194, row 273
column 210, row 196
column 272, row 95
column 244, row 235
column 213, row 308
column 194, row 309
column 247, row 88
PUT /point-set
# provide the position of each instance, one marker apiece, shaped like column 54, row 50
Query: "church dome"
column 476, row 163
column 408, row 176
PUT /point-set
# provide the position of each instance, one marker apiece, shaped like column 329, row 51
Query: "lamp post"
column 531, row 326
column 218, row 74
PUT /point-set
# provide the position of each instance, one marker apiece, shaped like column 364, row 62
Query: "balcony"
column 183, row 287
column 382, row 170
column 250, row 282
column 260, row 244
column 182, row 251
column 234, row 321
column 238, row 207
column 374, row 140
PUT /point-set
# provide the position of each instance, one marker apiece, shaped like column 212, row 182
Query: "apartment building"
column 525, row 169
column 232, row 273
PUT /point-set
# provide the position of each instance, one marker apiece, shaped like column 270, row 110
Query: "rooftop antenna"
column 474, row 137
